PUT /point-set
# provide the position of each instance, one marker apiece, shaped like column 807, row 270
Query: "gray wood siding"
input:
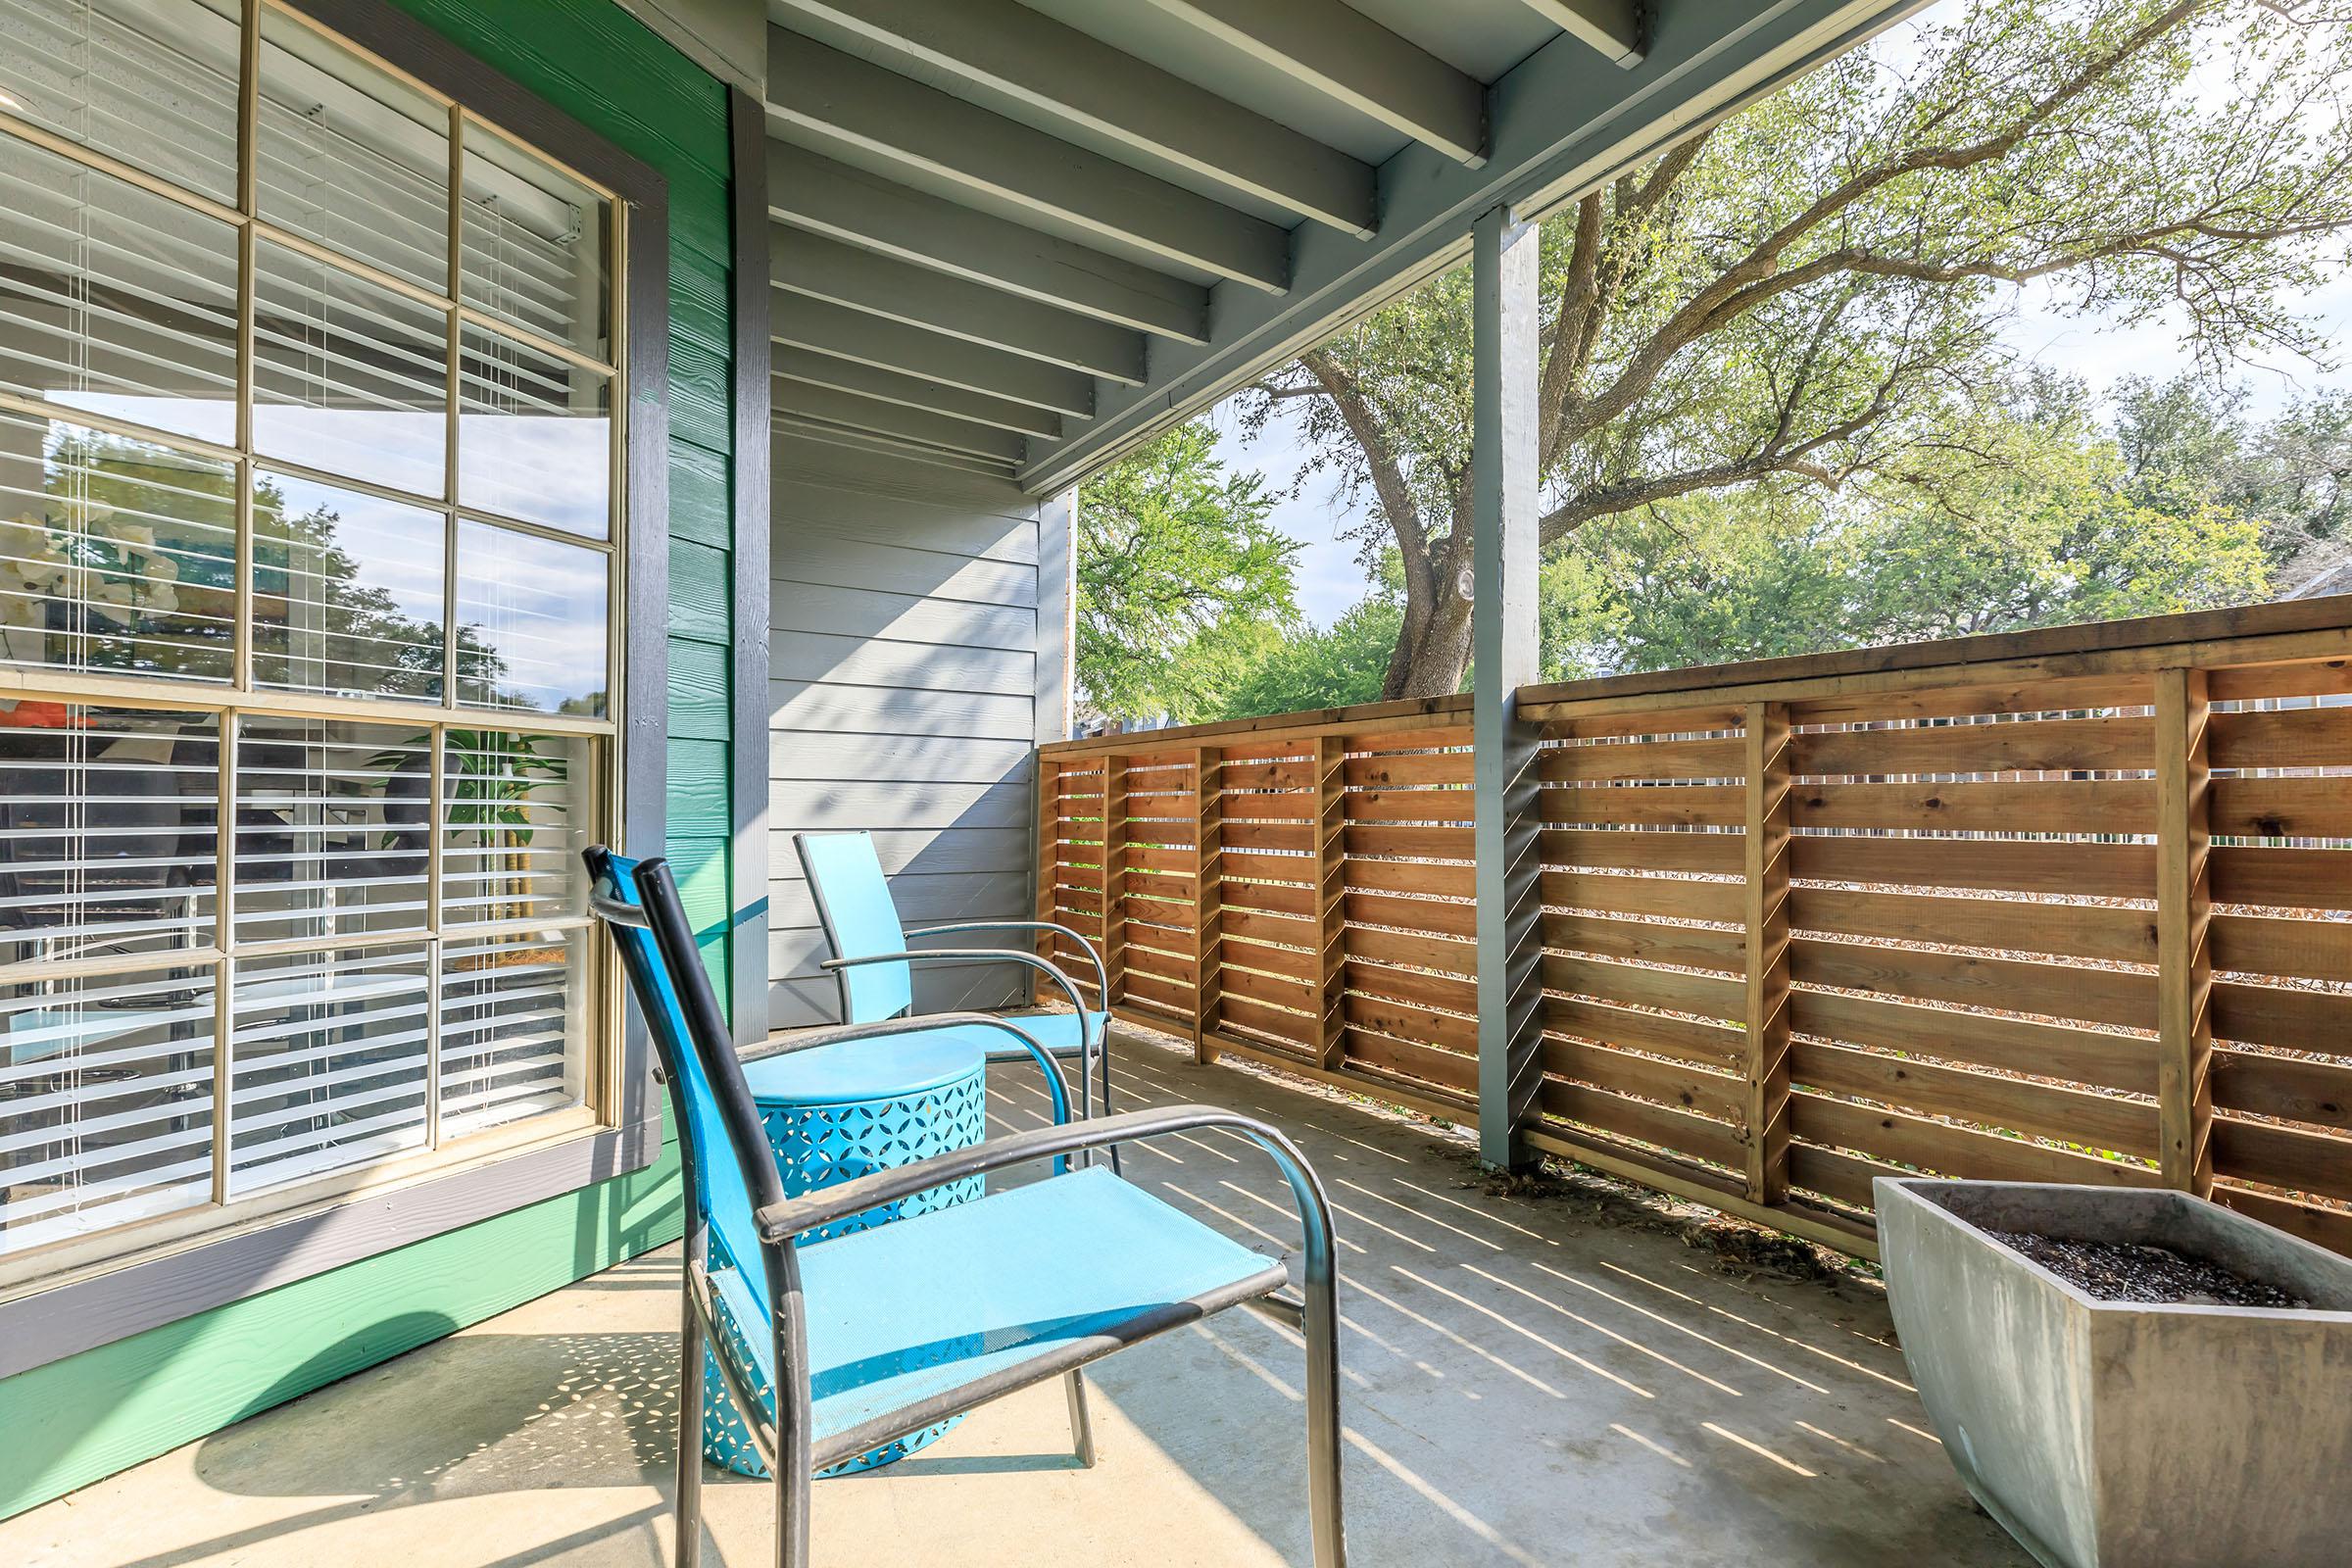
column 909, row 680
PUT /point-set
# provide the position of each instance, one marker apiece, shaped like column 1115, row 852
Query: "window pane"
column 534, row 435
column 514, row 1030
column 154, row 83
column 106, row 830
column 537, row 245
column 114, row 300
column 106, row 1102
column 349, row 378
column 517, row 820
column 346, row 593
column 327, row 1063
column 115, row 554
column 530, row 622
column 331, row 835
column 352, row 157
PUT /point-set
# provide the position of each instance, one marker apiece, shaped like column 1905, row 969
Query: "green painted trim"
column 78, row 1420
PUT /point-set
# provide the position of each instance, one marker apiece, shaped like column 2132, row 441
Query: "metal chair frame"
column 787, row 1443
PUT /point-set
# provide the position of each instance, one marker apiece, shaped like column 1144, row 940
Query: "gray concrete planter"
column 2117, row 1435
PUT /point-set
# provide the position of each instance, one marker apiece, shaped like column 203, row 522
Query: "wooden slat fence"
column 2072, row 905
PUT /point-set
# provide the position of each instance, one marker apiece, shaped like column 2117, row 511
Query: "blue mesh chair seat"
column 833, row 1347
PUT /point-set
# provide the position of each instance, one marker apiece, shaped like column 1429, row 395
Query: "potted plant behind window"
column 2125, row 1377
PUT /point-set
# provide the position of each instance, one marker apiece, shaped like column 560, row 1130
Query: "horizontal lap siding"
column 902, row 702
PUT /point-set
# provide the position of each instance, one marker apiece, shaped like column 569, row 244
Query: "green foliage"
column 1803, row 308
column 1183, row 584
column 1333, row 668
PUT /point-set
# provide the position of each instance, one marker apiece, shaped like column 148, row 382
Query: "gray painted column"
column 1504, row 653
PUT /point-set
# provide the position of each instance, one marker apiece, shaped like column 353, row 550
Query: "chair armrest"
column 780, row 1221
column 1092, row 954
column 977, row 955
column 1057, row 1086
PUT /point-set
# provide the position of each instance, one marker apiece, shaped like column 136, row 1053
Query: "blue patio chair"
column 873, row 964
column 868, row 1335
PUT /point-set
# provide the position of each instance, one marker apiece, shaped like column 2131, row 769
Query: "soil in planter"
column 2127, row 1271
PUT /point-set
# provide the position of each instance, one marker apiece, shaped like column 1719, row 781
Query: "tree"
column 1183, row 583
column 1334, row 667
column 1810, row 294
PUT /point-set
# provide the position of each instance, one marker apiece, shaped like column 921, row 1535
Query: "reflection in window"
column 346, row 593
column 152, row 83
column 326, row 1061
column 351, row 156
column 114, row 300
column 107, row 846
column 538, row 245
column 534, row 435
column 515, row 819
column 332, row 828
column 348, row 377
column 106, row 1102
column 116, row 553
column 530, row 622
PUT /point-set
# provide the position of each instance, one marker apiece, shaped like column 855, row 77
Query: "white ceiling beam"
column 801, row 427
column 814, row 192
column 828, row 329
column 1034, row 60
column 1346, row 56
column 1612, row 27
column 825, row 269
column 853, row 413
column 816, row 89
column 913, row 391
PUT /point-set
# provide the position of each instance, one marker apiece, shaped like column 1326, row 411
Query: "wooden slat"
column 2290, row 1157
column 1641, row 805
column 1142, row 910
column 2291, row 737
column 2271, row 945
column 2281, row 807
column 1718, row 1095
column 1176, row 996
column 1296, row 963
column 2105, row 806
column 2122, row 998
column 1250, row 925
column 1442, row 991
column 1288, row 774
column 1834, row 1173
column 1292, row 805
column 1685, row 946
column 1295, row 837
column 1695, row 717
column 2124, row 1063
column 1410, row 1021
column 1413, row 915
column 1661, row 1034
column 2276, row 1015
column 2044, row 1111
column 2296, row 1088
column 1637, row 985
column 1273, row 989
column 1408, row 805
column 1389, row 769
column 1432, row 843
column 2120, row 743
column 1445, row 954
column 1691, row 1136
column 1720, row 758
column 2322, row 1226
column 1413, row 1059
column 1244, row 1011
column 1407, row 876
column 1630, row 850
column 2083, row 931
column 1269, row 898
column 1949, row 1150
column 2085, row 871
column 1671, row 898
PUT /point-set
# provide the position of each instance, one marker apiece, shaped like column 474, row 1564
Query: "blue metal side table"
column 840, row 1112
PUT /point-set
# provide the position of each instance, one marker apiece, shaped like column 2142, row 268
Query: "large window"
column 310, row 478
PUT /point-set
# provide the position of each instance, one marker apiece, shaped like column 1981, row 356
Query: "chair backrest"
column 860, row 919
column 730, row 1171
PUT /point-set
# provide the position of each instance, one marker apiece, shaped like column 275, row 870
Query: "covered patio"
column 1555, row 1377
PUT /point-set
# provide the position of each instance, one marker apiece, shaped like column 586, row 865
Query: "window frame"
column 76, row 1291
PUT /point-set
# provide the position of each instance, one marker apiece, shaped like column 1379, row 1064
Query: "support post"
column 2183, row 923
column 1331, row 898
column 1047, row 784
column 1114, row 877
column 1503, row 468
column 1208, row 902
column 1767, row 922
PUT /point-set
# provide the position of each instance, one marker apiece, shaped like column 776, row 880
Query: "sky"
column 1331, row 578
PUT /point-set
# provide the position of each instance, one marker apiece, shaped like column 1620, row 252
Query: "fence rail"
column 2065, row 905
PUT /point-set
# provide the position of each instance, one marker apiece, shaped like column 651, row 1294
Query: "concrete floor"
column 1529, row 1380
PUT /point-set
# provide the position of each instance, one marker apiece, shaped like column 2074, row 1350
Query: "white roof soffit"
column 1004, row 239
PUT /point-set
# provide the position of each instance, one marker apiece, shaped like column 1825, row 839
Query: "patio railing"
column 2065, row 905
